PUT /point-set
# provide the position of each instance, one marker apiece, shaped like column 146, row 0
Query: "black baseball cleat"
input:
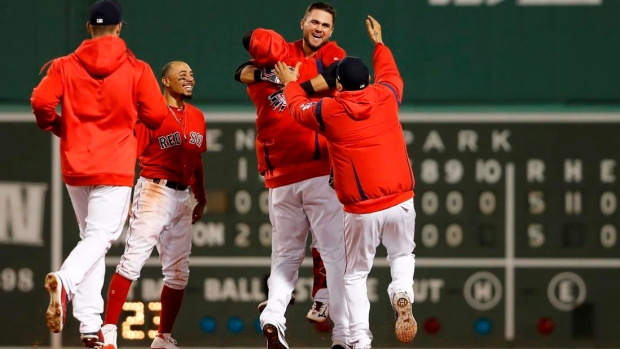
column 340, row 345
column 275, row 337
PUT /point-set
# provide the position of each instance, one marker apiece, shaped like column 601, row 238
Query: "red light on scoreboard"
column 432, row 325
column 545, row 326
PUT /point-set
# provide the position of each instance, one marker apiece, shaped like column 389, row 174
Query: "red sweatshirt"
column 364, row 137
column 103, row 90
column 174, row 151
column 287, row 152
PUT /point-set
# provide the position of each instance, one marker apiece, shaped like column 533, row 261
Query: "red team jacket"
column 104, row 89
column 174, row 152
column 365, row 138
column 286, row 151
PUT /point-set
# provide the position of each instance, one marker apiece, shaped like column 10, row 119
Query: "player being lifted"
column 162, row 212
column 296, row 168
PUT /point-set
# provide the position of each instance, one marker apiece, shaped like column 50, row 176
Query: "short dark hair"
column 166, row 68
column 323, row 6
column 103, row 29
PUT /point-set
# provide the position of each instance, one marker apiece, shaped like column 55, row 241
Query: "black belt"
column 170, row 184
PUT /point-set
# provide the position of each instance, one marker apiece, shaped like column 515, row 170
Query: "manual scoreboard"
column 516, row 232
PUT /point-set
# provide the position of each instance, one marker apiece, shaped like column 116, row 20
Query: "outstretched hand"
column 374, row 30
column 285, row 73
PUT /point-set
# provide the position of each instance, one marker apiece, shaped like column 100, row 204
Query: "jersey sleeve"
column 143, row 137
column 198, row 187
column 332, row 53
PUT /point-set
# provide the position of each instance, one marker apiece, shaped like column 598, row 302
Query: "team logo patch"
column 277, row 101
column 308, row 105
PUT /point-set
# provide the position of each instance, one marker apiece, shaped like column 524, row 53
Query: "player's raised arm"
column 386, row 71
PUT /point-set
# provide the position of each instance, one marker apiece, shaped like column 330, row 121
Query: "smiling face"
column 179, row 80
column 317, row 27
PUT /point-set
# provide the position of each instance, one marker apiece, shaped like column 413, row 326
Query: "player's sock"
column 117, row 294
column 171, row 300
column 318, row 271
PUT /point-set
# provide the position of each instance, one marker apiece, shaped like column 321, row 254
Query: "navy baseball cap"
column 105, row 12
column 352, row 74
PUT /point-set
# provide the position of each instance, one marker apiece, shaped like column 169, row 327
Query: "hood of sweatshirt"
column 359, row 104
column 102, row 56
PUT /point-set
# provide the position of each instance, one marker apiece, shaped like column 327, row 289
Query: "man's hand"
column 285, row 73
column 374, row 30
column 199, row 209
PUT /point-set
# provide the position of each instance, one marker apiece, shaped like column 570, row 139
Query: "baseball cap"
column 105, row 12
column 352, row 74
column 266, row 46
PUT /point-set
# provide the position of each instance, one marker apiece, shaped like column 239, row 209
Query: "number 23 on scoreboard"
column 131, row 327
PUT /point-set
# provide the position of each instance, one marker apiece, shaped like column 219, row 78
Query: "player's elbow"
column 44, row 112
column 155, row 120
column 39, row 104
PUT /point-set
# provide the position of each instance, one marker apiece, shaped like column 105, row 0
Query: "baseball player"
column 268, row 47
column 372, row 177
column 296, row 168
column 162, row 212
column 103, row 90
column 319, row 311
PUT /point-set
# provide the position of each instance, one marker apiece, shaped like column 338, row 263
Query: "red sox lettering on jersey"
column 177, row 153
column 174, row 139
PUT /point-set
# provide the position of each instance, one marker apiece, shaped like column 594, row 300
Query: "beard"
column 313, row 47
column 186, row 97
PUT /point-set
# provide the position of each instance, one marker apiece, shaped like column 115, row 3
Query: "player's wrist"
column 257, row 75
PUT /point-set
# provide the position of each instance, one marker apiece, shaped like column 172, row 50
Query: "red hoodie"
column 364, row 138
column 103, row 90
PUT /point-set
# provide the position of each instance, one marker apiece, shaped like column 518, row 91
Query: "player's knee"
column 176, row 280
column 127, row 273
column 176, row 283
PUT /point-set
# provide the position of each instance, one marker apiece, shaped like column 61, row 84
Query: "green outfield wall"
column 449, row 51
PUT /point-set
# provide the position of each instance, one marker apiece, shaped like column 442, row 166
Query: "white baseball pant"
column 395, row 228
column 294, row 210
column 161, row 217
column 101, row 212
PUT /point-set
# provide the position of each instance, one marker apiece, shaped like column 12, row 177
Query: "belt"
column 169, row 184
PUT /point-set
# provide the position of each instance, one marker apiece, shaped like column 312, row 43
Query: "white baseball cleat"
column 406, row 327
column 275, row 337
column 164, row 341
column 56, row 314
column 318, row 312
column 109, row 336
